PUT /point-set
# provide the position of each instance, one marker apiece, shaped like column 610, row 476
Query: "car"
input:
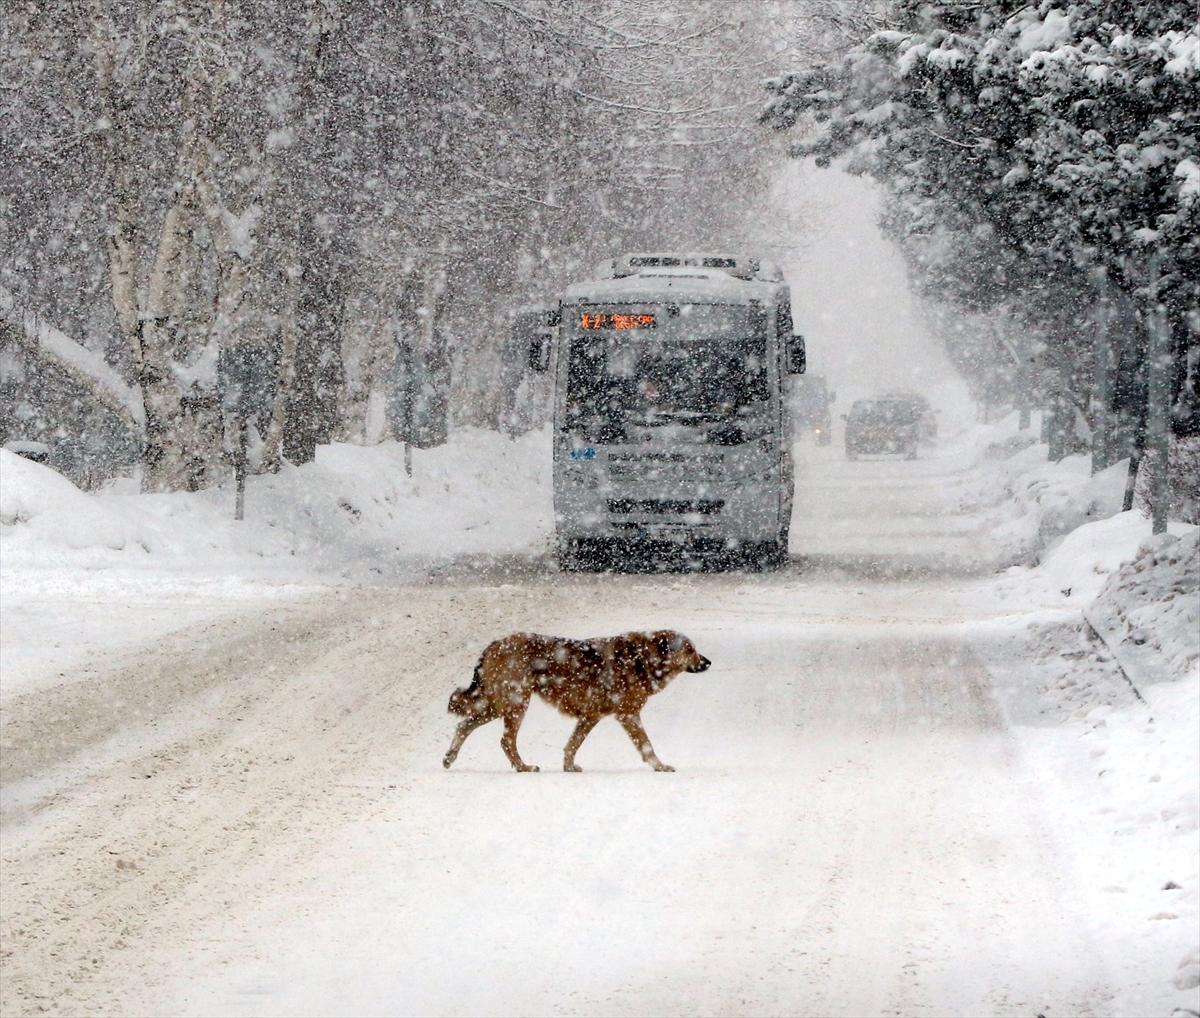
column 882, row 425
column 927, row 425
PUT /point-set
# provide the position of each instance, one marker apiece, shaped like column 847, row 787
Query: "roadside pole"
column 1158, row 369
column 239, row 468
column 405, row 356
column 409, row 399
column 245, row 375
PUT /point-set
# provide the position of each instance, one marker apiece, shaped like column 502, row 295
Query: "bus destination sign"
column 592, row 320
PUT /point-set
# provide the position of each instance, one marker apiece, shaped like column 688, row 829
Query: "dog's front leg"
column 584, row 726
column 465, row 728
column 508, row 741
column 632, row 723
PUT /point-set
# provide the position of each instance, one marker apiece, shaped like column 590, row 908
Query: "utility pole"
column 408, row 398
column 239, row 467
column 1158, row 398
column 402, row 374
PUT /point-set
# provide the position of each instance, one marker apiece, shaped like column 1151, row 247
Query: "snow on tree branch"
column 85, row 367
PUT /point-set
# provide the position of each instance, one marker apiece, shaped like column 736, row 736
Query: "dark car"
column 927, row 425
column 883, row 426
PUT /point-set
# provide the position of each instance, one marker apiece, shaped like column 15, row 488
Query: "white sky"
column 866, row 331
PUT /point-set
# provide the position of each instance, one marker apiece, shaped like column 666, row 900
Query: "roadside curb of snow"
column 1129, row 585
column 1123, row 795
column 1124, row 667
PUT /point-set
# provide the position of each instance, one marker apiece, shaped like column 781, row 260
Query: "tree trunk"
column 1061, row 425
column 318, row 374
column 289, row 340
column 152, row 321
column 1102, row 383
column 1158, row 404
column 430, row 424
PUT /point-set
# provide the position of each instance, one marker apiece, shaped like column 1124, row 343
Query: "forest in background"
column 1041, row 166
column 293, row 212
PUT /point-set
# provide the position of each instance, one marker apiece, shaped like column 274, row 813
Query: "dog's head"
column 678, row 654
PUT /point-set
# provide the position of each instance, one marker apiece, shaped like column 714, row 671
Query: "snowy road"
column 851, row 829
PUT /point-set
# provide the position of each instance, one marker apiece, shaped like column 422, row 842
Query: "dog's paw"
column 662, row 767
column 572, row 768
column 447, row 761
column 529, row 769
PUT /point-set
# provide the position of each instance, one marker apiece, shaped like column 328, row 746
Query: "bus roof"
column 688, row 284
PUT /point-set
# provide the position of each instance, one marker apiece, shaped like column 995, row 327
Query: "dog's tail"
column 463, row 701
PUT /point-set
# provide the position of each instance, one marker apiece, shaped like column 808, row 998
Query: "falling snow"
column 813, row 386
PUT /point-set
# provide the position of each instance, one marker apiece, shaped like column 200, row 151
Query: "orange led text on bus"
column 616, row 321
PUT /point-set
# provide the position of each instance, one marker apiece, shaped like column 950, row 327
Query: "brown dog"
column 585, row 679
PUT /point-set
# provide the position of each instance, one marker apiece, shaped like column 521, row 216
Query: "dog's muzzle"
column 703, row 666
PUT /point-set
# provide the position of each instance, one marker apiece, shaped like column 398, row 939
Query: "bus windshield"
column 673, row 364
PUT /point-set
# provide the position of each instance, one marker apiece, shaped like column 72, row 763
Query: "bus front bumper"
column 725, row 518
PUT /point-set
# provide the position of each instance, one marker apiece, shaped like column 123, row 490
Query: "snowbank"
column 1120, row 765
column 1035, row 501
column 1083, row 560
column 86, row 577
column 351, row 514
column 1120, row 791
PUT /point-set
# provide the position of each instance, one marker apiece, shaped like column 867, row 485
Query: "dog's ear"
column 666, row 643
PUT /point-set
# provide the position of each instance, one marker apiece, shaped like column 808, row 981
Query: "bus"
column 672, row 430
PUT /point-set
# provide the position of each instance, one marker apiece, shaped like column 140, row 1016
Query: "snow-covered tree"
column 313, row 191
column 1036, row 157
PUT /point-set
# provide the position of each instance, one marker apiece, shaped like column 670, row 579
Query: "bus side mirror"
column 542, row 338
column 796, row 359
column 539, row 351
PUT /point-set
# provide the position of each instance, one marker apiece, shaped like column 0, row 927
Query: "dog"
column 585, row 679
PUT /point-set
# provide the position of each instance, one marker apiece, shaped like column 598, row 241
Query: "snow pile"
column 1081, row 563
column 48, row 508
column 353, row 513
column 1033, row 501
column 1120, row 792
column 1149, row 611
column 84, row 575
column 1115, row 601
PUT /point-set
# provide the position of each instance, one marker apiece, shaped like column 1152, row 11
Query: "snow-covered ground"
column 910, row 784
column 1114, row 734
column 917, row 779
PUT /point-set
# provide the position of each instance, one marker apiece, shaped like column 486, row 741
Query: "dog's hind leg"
column 584, row 726
column 508, row 741
column 633, row 726
column 465, row 727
